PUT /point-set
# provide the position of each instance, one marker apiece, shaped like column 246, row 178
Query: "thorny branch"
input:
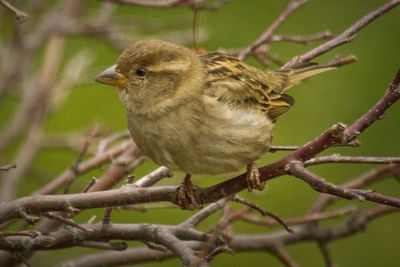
column 192, row 246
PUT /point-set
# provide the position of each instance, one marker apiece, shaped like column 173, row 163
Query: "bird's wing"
column 241, row 86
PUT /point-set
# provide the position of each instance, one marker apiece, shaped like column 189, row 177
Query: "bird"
column 204, row 113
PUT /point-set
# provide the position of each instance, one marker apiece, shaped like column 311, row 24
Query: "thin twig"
column 339, row 61
column 336, row 158
column 19, row 15
column 104, row 143
column 204, row 213
column 8, row 167
column 296, row 169
column 118, row 246
column 218, row 250
column 313, row 217
column 75, row 167
column 346, row 36
column 172, row 3
column 274, row 149
column 323, row 247
column 267, row 35
column 107, row 216
column 19, row 233
column 326, row 35
column 263, row 212
column 283, row 255
column 154, row 177
column 84, row 167
column 64, row 220
column 92, row 183
column 371, row 176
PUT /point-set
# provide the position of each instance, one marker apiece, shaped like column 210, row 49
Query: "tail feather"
column 286, row 78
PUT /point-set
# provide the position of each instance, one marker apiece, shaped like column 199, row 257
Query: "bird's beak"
column 111, row 77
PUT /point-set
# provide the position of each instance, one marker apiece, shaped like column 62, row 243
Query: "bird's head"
column 154, row 75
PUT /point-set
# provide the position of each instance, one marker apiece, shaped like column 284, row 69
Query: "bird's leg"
column 253, row 177
column 185, row 195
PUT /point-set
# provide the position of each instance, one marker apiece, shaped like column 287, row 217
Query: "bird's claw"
column 253, row 178
column 185, row 195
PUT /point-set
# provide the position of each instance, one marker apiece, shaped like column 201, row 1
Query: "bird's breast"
column 203, row 136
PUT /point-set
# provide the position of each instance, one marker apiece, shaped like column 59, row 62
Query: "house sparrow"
column 201, row 114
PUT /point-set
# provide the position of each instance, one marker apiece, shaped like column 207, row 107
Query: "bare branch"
column 172, row 3
column 325, row 253
column 326, row 35
column 19, row 15
column 336, row 158
column 64, row 220
column 8, row 167
column 274, row 149
column 313, row 217
column 283, row 255
column 267, row 35
column 339, row 61
column 239, row 243
column 377, row 112
column 74, row 168
column 218, row 250
column 204, row 213
column 263, row 212
column 118, row 246
column 153, row 177
column 86, row 166
column 346, row 36
column 120, row 167
column 371, row 176
column 320, row 185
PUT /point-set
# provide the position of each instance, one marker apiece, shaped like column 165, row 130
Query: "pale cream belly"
column 220, row 141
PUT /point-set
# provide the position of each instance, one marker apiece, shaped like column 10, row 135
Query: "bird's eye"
column 141, row 71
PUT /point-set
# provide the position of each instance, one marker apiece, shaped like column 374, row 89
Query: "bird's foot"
column 253, row 178
column 185, row 195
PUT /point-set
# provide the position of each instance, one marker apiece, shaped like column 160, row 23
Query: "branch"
column 84, row 167
column 19, row 15
column 377, row 112
column 72, row 236
column 346, row 36
column 326, row 35
column 339, row 61
column 154, row 4
column 204, row 213
column 8, row 167
column 314, row 217
column 171, row 3
column 267, row 35
column 125, row 195
column 319, row 184
column 371, row 176
column 243, row 243
column 283, row 255
column 336, row 158
column 153, row 177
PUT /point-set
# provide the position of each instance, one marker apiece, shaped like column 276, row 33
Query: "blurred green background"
column 338, row 96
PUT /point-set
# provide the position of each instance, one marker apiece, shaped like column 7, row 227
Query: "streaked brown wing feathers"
column 242, row 86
